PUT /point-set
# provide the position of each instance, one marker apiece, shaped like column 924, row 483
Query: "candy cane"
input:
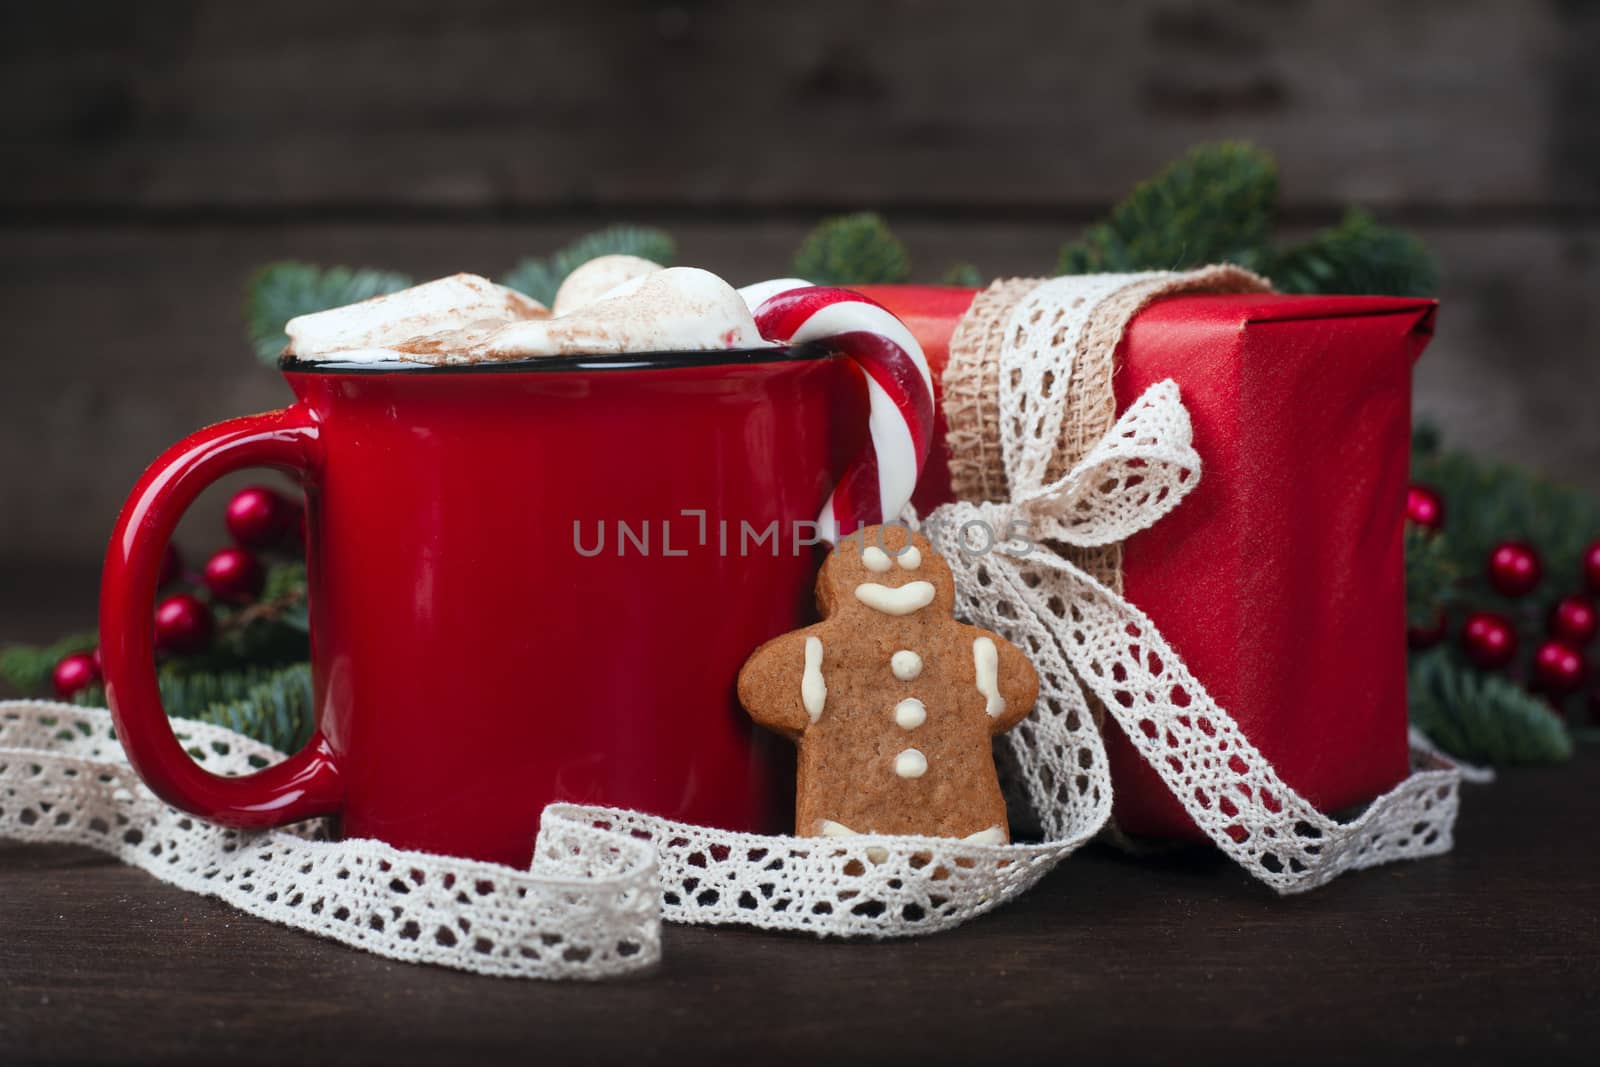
column 878, row 483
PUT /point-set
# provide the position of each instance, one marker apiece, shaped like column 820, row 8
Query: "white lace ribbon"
column 590, row 906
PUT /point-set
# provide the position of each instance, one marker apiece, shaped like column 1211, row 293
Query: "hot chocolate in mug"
column 529, row 581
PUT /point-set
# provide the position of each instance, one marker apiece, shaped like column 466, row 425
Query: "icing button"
column 910, row 713
column 905, row 664
column 911, row 764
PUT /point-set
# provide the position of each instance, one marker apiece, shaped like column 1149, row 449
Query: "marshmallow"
column 597, row 278
column 678, row 309
column 468, row 319
column 372, row 330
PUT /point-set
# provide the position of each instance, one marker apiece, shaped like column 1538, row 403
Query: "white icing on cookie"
column 986, row 658
column 896, row 599
column 910, row 713
column 905, row 664
column 911, row 764
column 911, row 558
column 992, row 836
column 876, row 559
column 813, row 690
column 829, row 828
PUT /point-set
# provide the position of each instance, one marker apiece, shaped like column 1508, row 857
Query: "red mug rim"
column 608, row 361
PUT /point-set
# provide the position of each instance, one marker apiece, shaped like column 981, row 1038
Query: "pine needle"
column 857, row 249
column 279, row 292
column 1356, row 256
column 541, row 278
column 1215, row 205
column 1483, row 718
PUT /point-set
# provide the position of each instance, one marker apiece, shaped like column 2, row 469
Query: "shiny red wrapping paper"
column 1281, row 578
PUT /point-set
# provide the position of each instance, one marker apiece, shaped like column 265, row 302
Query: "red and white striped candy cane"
column 878, row 483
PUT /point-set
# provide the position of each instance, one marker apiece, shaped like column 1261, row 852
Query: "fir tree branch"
column 1430, row 576
column 963, row 275
column 29, row 669
column 1482, row 718
column 1356, row 256
column 279, row 711
column 1213, row 206
column 274, row 706
column 1488, row 503
column 540, row 278
column 283, row 600
column 280, row 291
column 857, row 249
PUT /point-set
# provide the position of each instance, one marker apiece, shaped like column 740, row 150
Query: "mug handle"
column 304, row 785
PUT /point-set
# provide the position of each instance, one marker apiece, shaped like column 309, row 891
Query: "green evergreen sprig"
column 279, row 292
column 253, row 678
column 1488, row 503
column 1477, row 715
column 1431, row 574
column 28, row 668
column 1215, row 205
column 1482, row 718
column 1218, row 204
column 857, row 249
column 271, row 705
column 1356, row 256
column 279, row 709
column 963, row 275
column 541, row 277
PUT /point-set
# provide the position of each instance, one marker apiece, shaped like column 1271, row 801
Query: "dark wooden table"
column 1489, row 953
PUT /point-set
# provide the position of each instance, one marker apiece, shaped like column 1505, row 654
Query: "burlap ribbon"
column 1087, row 403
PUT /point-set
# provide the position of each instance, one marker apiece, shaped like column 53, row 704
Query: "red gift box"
column 1281, row 578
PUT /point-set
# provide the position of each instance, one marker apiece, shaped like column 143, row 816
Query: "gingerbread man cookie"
column 891, row 701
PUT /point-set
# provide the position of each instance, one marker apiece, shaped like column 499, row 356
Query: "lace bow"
column 1084, row 636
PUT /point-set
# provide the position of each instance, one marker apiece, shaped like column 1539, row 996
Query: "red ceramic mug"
column 474, row 655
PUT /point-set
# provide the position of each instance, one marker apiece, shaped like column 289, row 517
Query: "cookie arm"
column 1019, row 684
column 1017, row 681
column 777, row 680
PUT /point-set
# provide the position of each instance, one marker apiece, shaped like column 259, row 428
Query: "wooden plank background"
column 155, row 153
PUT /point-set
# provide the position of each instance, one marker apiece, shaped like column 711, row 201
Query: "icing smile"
column 896, row 600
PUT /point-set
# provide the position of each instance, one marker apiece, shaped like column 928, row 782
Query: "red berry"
column 171, row 566
column 1558, row 668
column 183, row 624
column 75, row 673
column 1489, row 640
column 259, row 517
column 1421, row 637
column 234, row 575
column 1574, row 620
column 1591, row 568
column 1425, row 507
column 1514, row 568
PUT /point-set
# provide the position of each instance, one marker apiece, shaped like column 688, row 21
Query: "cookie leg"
column 829, row 828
